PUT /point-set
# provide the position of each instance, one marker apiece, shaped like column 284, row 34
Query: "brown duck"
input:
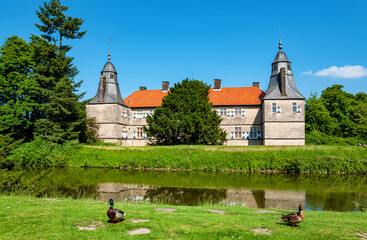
column 114, row 214
column 294, row 218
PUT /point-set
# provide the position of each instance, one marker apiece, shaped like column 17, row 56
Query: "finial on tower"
column 109, row 47
column 280, row 40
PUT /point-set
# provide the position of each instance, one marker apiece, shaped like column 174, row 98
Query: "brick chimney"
column 256, row 84
column 217, row 83
column 165, row 86
column 282, row 82
column 142, row 88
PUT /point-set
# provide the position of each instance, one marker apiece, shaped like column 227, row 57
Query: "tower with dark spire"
column 107, row 107
column 283, row 105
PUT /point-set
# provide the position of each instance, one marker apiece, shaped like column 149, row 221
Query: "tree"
column 16, row 88
column 340, row 105
column 318, row 117
column 56, row 25
column 186, row 117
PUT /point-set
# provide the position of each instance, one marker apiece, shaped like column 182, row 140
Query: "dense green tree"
column 337, row 114
column 340, row 105
column 56, row 25
column 318, row 117
column 38, row 94
column 186, row 117
column 16, row 88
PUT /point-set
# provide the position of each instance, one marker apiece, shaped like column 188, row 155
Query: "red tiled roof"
column 226, row 96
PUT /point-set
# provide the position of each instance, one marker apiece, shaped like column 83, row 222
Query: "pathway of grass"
column 40, row 218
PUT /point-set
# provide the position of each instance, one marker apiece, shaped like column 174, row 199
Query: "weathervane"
column 280, row 39
column 109, row 48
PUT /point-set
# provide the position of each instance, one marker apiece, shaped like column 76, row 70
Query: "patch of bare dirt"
column 166, row 209
column 265, row 211
column 262, row 231
column 93, row 226
column 216, row 211
column 362, row 235
column 140, row 220
column 139, row 231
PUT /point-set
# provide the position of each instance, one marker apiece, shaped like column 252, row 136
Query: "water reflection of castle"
column 195, row 196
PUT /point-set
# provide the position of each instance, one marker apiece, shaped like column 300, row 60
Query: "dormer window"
column 274, row 67
column 289, row 67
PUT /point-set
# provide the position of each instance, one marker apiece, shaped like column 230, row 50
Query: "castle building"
column 250, row 115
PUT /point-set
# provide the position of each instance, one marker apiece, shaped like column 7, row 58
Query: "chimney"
column 142, row 88
column 217, row 83
column 165, row 86
column 282, row 82
column 256, row 84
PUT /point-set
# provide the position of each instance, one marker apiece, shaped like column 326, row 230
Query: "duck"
column 295, row 217
column 114, row 214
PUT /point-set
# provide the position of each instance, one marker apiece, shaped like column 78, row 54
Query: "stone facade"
column 250, row 116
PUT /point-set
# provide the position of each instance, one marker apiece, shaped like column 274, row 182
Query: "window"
column 230, row 113
column 124, row 134
column 274, row 107
column 139, row 132
column 151, row 112
column 124, row 114
column 111, row 75
column 237, row 132
column 223, row 112
column 237, row 112
column 274, row 67
column 289, row 66
column 253, row 133
column 295, row 108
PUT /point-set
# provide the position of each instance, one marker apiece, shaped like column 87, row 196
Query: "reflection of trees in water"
column 185, row 196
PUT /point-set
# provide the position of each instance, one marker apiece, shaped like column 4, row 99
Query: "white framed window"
column 237, row 112
column 274, row 107
column 279, row 110
column 295, row 108
column 151, row 112
column 223, row 112
column 230, row 113
column 124, row 134
column 124, row 114
column 237, row 132
column 139, row 132
column 253, row 133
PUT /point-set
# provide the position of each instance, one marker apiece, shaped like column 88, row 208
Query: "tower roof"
column 108, row 67
column 282, row 85
column 108, row 89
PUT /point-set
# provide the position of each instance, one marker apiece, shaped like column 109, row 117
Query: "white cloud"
column 307, row 73
column 347, row 71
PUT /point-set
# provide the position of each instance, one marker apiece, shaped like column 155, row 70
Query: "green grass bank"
column 331, row 159
column 41, row 218
column 328, row 159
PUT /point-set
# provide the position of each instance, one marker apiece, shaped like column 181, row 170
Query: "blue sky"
column 236, row 41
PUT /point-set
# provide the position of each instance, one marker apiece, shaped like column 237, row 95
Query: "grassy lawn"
column 331, row 159
column 40, row 218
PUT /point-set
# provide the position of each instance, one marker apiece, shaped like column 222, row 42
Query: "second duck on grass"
column 294, row 218
column 114, row 214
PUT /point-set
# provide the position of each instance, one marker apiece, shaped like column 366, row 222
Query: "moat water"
column 319, row 192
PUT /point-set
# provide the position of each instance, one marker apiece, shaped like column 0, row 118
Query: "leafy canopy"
column 186, row 117
column 337, row 113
